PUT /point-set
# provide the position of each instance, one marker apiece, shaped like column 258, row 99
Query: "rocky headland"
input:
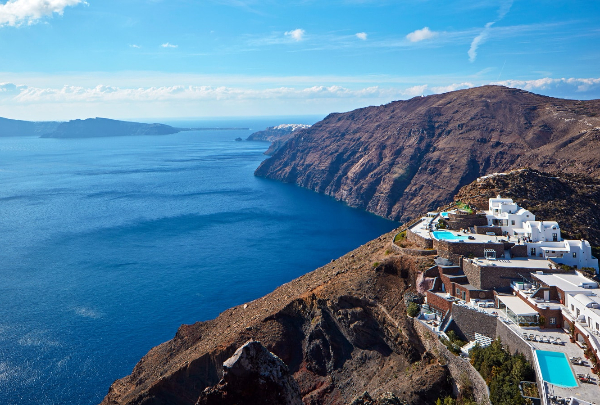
column 277, row 135
column 399, row 159
column 339, row 331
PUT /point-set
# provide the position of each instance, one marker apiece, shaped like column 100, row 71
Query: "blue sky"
column 64, row 59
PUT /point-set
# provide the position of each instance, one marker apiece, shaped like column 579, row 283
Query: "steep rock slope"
column 570, row 199
column 341, row 330
column 398, row 159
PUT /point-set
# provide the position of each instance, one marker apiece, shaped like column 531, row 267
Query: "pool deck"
column 585, row 391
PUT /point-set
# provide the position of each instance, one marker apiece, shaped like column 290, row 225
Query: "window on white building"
column 512, row 222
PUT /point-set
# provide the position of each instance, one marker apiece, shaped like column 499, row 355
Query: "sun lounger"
column 537, row 338
column 558, row 341
column 545, row 339
column 525, row 336
column 531, row 337
column 551, row 340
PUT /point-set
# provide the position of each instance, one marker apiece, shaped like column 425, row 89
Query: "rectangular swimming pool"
column 444, row 214
column 556, row 369
column 445, row 235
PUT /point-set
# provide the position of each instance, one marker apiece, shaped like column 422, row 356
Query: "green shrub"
column 502, row 372
column 413, row 309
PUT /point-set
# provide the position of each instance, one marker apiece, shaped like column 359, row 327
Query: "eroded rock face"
column 252, row 376
column 404, row 158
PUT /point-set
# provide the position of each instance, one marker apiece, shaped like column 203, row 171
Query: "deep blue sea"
column 108, row 245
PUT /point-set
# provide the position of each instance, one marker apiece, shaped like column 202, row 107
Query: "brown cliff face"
column 400, row 159
column 341, row 330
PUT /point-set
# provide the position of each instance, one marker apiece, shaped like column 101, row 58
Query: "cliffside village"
column 503, row 273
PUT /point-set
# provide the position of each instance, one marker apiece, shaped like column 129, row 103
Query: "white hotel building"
column 543, row 238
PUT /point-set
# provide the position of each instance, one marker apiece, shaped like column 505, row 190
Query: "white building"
column 506, row 214
column 543, row 238
column 581, row 296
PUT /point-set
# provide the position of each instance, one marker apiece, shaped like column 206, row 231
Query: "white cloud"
column 452, row 87
column 574, row 85
column 478, row 40
column 362, row 35
column 18, row 12
column 168, row 45
column 505, row 6
column 296, row 35
column 421, row 35
column 135, row 46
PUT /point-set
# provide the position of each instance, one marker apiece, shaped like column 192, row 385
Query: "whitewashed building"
column 543, row 238
column 506, row 214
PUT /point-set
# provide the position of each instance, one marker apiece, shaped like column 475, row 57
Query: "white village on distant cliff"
column 505, row 273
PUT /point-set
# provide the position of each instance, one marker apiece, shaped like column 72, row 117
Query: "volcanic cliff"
column 340, row 330
column 399, row 159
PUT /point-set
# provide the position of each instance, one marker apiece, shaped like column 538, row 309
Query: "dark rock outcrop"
column 406, row 157
column 103, row 127
column 253, row 376
column 341, row 330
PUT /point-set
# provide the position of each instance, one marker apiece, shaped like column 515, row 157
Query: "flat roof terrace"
column 532, row 263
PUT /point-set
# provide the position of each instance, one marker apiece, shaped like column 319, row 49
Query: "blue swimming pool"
column 445, row 235
column 556, row 369
column 444, row 214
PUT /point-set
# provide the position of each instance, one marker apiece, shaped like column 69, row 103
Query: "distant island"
column 91, row 128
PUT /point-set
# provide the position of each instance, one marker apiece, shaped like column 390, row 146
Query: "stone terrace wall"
column 419, row 240
column 412, row 252
column 519, row 251
column 438, row 302
column 453, row 250
column 513, row 342
column 457, row 221
column 482, row 230
column 457, row 366
column 486, row 278
column 468, row 321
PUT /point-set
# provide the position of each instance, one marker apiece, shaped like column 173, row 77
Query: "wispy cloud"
column 485, row 33
column 168, row 45
column 134, row 46
column 296, row 35
column 577, row 85
column 361, row 35
column 421, row 35
column 18, row 12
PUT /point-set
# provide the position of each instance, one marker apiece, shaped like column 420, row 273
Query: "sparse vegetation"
column 502, row 372
column 413, row 309
column 376, row 264
column 400, row 236
column 454, row 343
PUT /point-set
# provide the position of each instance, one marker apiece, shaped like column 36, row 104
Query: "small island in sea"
column 92, row 128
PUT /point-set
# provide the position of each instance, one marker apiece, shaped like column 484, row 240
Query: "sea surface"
column 108, row 245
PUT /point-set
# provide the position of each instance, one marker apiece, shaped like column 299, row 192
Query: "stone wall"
column 513, row 342
column 468, row 321
column 462, row 221
column 459, row 368
column 412, row 252
column 518, row 251
column 438, row 302
column 419, row 240
column 482, row 230
column 488, row 277
column 453, row 250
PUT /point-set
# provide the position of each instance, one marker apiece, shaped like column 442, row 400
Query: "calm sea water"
column 108, row 245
